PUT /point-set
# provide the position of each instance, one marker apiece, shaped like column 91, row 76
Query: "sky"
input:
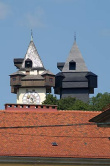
column 54, row 23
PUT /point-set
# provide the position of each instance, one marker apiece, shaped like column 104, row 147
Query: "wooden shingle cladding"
column 78, row 93
column 15, row 80
column 74, row 84
column 14, row 89
column 49, row 80
column 92, row 80
column 76, row 57
column 18, row 62
column 33, row 83
column 33, row 55
column 38, row 81
column 75, row 80
column 60, row 65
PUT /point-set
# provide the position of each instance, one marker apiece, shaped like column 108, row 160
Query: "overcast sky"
column 53, row 23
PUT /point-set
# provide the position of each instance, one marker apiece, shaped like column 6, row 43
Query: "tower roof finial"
column 31, row 35
column 75, row 36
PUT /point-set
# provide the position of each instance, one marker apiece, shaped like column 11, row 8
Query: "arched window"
column 72, row 65
column 28, row 63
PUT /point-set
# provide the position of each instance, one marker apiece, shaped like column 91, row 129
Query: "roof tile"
column 31, row 133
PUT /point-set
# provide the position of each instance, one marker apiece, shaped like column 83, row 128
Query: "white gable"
column 33, row 55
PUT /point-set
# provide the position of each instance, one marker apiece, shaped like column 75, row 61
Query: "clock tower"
column 32, row 81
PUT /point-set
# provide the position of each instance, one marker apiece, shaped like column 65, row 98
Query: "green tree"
column 99, row 102
column 96, row 103
column 50, row 99
column 66, row 103
column 80, row 105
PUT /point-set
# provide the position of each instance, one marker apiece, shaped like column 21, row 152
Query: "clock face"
column 31, row 98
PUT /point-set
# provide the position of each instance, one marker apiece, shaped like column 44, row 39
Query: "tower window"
column 50, row 79
column 14, row 79
column 72, row 65
column 28, row 63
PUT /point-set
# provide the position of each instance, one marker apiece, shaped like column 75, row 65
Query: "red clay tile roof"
column 31, row 133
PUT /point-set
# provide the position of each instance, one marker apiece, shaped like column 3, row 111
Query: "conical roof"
column 33, row 55
column 75, row 56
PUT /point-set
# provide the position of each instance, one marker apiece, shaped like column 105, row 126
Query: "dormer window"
column 28, row 63
column 72, row 65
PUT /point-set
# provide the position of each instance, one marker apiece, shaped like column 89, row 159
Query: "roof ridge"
column 58, row 111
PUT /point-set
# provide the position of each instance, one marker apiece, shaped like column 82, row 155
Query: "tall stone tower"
column 74, row 79
column 32, row 81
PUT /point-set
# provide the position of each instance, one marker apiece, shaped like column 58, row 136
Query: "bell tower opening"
column 72, row 65
column 28, row 63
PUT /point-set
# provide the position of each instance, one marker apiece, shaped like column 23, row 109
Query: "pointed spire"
column 33, row 55
column 31, row 35
column 76, row 56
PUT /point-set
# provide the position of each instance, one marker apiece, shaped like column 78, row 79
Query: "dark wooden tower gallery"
column 74, row 79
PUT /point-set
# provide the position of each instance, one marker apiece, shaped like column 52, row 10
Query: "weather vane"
column 74, row 36
column 31, row 35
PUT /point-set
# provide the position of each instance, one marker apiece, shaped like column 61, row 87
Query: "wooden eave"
column 54, row 160
column 18, row 73
column 32, row 77
column 47, row 72
column 101, row 117
column 31, row 69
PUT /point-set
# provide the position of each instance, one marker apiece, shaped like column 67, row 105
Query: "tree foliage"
column 50, row 99
column 100, row 101
column 66, row 103
column 96, row 103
